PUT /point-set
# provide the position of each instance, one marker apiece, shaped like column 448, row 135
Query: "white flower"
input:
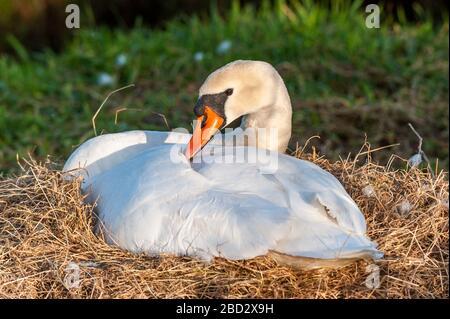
column 224, row 47
column 105, row 79
column 368, row 191
column 404, row 208
column 198, row 56
column 373, row 280
column 72, row 277
column 121, row 60
column 415, row 160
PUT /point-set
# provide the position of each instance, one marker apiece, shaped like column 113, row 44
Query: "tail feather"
column 309, row 263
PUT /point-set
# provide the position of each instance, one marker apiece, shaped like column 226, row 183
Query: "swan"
column 150, row 198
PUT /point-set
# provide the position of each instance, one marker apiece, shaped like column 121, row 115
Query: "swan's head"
column 236, row 89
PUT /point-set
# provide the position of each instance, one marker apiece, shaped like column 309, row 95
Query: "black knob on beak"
column 199, row 108
column 214, row 101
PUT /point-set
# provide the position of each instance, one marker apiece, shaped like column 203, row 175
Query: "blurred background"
column 346, row 81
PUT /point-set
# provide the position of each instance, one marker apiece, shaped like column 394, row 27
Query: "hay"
column 45, row 229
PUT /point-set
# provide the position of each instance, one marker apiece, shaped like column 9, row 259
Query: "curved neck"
column 271, row 124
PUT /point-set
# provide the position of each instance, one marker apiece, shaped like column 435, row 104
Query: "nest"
column 48, row 248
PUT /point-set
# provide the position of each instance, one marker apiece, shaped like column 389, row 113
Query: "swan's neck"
column 271, row 124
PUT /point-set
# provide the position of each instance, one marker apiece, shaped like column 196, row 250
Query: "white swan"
column 151, row 199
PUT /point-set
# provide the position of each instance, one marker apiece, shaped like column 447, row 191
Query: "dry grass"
column 44, row 226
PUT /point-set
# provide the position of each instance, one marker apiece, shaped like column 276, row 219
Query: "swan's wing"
column 152, row 204
column 314, row 233
column 105, row 151
column 328, row 222
column 290, row 182
column 324, row 220
column 307, row 182
column 230, row 225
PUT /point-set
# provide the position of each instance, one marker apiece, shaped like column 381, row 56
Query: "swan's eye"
column 229, row 92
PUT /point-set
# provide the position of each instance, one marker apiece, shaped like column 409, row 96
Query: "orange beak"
column 203, row 132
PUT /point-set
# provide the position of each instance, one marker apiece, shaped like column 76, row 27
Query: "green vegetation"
column 344, row 80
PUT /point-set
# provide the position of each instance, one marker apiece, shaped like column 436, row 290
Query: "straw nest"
column 47, row 238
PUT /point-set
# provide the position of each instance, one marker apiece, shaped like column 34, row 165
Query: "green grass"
column 344, row 80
